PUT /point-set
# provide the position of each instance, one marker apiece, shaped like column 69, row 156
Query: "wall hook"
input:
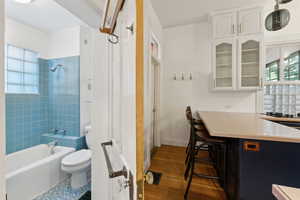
column 114, row 39
column 130, row 28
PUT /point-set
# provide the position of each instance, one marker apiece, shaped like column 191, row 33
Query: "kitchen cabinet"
column 224, row 25
column 224, row 64
column 249, row 21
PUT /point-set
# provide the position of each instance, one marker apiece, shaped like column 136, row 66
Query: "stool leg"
column 191, row 177
column 224, row 174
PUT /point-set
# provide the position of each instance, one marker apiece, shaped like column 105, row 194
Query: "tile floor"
column 64, row 191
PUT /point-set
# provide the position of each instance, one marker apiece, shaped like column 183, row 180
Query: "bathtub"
column 33, row 171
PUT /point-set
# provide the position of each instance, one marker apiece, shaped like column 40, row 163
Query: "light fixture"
column 23, row 1
column 279, row 18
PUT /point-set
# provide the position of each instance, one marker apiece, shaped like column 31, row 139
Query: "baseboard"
column 179, row 143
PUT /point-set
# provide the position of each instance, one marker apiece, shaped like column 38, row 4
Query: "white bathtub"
column 33, row 171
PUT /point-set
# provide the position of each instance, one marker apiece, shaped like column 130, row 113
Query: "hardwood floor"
column 169, row 161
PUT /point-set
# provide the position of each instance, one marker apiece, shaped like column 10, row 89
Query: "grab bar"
column 123, row 172
column 112, row 173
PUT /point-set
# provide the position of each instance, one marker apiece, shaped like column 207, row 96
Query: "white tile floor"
column 64, row 191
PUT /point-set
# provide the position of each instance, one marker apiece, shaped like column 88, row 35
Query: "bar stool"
column 216, row 147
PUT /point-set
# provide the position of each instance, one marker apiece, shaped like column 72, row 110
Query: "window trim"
column 21, row 72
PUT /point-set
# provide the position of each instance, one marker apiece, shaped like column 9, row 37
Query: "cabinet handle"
column 215, row 83
column 233, row 29
column 241, row 28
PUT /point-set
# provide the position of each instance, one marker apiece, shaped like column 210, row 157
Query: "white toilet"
column 78, row 164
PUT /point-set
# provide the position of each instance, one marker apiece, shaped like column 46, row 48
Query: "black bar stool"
column 217, row 155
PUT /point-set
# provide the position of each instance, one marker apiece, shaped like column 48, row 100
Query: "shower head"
column 54, row 68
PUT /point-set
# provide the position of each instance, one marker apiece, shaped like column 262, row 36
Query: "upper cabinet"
column 237, row 49
column 224, row 25
column 237, row 23
column 249, row 21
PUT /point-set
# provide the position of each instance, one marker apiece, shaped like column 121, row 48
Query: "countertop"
column 285, row 193
column 247, row 126
column 280, row 119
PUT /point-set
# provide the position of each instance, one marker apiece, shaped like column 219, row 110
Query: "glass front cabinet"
column 224, row 62
column 237, row 64
column 249, row 63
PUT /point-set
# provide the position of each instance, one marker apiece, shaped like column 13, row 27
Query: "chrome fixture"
column 52, row 145
column 61, row 131
column 54, row 130
column 54, row 68
column 279, row 18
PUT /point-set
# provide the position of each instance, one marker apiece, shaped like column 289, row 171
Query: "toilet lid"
column 77, row 158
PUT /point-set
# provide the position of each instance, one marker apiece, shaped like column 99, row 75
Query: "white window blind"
column 21, row 71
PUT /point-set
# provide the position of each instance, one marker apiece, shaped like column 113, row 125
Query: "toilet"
column 78, row 164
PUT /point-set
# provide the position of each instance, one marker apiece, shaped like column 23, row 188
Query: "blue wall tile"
column 56, row 106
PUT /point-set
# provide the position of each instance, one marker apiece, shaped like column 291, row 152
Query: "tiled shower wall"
column 56, row 106
column 27, row 115
column 64, row 84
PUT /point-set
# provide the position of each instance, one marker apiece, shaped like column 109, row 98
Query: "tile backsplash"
column 29, row 116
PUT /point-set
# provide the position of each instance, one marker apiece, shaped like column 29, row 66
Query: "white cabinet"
column 237, row 49
column 249, row 62
column 237, row 23
column 249, row 21
column 224, row 62
column 224, row 25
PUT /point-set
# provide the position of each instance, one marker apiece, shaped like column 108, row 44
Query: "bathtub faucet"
column 62, row 131
column 52, row 145
column 54, row 130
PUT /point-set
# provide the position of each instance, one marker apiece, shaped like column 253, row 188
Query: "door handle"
column 124, row 172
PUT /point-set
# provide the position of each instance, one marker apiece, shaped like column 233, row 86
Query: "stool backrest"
column 189, row 114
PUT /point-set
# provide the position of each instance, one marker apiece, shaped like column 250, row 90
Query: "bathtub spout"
column 52, row 145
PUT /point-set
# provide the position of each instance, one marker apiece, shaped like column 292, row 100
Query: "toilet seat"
column 77, row 158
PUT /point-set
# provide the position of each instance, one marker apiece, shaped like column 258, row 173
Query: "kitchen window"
column 21, row 71
column 272, row 71
column 291, row 71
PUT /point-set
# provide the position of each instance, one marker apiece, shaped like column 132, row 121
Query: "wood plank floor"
column 169, row 161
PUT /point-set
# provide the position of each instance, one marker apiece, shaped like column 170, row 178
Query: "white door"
column 2, row 103
column 224, row 64
column 250, row 21
column 114, row 115
column 224, row 25
column 154, row 103
column 250, row 57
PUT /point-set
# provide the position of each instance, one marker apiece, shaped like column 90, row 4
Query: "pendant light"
column 279, row 18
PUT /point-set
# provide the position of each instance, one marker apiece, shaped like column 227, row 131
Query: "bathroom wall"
column 64, row 99
column 27, row 115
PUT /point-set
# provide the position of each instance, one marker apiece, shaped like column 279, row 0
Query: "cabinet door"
column 224, row 52
column 224, row 25
column 250, row 21
column 250, row 63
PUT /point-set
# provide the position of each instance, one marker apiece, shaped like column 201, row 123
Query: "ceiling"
column 179, row 12
column 46, row 15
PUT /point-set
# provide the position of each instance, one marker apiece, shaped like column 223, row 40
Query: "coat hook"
column 182, row 76
column 191, row 77
column 175, row 78
column 114, row 39
column 130, row 28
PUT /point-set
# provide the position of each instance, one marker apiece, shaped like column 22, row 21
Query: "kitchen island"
column 260, row 153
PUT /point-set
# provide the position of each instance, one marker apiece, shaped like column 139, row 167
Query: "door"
column 114, row 111
column 250, row 63
column 250, row 21
column 224, row 62
column 155, row 67
column 224, row 25
column 2, row 103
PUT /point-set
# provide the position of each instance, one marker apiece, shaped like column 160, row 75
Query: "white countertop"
column 247, row 126
column 285, row 193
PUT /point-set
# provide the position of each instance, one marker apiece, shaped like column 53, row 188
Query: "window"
column 21, row 71
column 272, row 71
column 291, row 71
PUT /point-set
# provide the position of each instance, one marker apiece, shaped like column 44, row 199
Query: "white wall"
column 187, row 49
column 62, row 43
column 25, row 36
column 152, row 26
column 2, row 104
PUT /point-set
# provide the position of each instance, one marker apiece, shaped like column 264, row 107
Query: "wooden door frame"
column 140, row 98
